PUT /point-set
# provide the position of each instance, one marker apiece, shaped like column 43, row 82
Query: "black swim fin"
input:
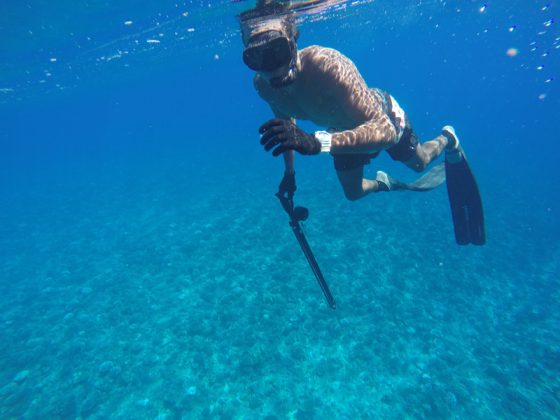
column 464, row 198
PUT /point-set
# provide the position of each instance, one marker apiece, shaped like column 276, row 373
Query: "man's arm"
column 372, row 136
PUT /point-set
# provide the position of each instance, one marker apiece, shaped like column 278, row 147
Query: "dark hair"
column 269, row 9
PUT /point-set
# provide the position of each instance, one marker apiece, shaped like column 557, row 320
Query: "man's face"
column 277, row 73
column 268, row 51
column 273, row 55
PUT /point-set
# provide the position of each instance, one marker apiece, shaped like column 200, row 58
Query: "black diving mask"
column 268, row 51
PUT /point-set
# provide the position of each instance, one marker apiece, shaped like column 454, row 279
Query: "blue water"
column 148, row 271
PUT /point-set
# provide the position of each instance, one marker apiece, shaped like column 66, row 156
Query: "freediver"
column 322, row 85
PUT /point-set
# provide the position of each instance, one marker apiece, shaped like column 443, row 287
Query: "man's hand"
column 282, row 135
column 287, row 186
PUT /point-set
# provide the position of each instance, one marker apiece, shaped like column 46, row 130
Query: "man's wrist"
column 325, row 138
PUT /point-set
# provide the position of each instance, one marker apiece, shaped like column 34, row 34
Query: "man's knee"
column 418, row 162
column 353, row 194
column 352, row 181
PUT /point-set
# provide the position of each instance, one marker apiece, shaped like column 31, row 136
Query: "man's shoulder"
column 319, row 53
column 323, row 57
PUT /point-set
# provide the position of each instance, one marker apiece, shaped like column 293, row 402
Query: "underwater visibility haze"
column 148, row 271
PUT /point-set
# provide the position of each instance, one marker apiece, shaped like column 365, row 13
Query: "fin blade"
column 466, row 204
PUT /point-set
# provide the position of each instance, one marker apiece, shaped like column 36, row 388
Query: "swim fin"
column 430, row 180
column 464, row 198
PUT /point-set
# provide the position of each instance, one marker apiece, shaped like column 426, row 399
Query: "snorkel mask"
column 269, row 36
column 268, row 51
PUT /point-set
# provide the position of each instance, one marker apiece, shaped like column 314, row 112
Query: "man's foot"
column 452, row 140
column 453, row 150
column 383, row 181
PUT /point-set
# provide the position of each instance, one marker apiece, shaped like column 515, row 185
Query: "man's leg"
column 354, row 184
column 426, row 153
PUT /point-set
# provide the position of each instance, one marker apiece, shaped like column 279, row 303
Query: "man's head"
column 269, row 36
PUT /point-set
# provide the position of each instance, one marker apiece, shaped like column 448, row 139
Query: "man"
column 322, row 85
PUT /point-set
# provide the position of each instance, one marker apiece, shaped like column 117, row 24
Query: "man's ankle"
column 383, row 182
column 452, row 140
column 382, row 187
